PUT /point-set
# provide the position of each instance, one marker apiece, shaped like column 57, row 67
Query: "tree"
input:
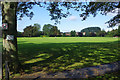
column 54, row 31
column 46, row 29
column 73, row 33
column 90, row 31
column 36, row 25
column 58, row 33
column 101, row 33
column 64, row 35
column 36, row 30
column 28, row 31
column 50, row 30
column 10, row 52
column 31, row 31
column 112, row 33
column 19, row 34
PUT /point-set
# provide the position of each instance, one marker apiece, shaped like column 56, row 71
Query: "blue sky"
column 72, row 22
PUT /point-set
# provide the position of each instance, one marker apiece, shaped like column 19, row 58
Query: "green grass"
column 0, row 44
column 52, row 54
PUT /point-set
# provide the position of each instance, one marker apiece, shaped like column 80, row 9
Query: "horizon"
column 82, row 29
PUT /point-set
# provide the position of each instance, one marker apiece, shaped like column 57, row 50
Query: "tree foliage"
column 101, row 33
column 54, row 31
column 46, row 29
column 19, row 34
column 73, row 33
column 30, row 31
column 112, row 33
column 85, row 8
column 90, row 31
column 50, row 30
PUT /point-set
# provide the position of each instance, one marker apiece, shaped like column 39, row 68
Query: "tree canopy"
column 73, row 33
column 85, row 9
column 30, row 31
column 50, row 30
column 91, row 29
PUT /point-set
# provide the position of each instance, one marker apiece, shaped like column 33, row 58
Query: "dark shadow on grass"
column 53, row 57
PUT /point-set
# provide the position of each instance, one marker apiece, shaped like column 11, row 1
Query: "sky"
column 72, row 22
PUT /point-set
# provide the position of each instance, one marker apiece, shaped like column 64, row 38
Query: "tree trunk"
column 10, row 46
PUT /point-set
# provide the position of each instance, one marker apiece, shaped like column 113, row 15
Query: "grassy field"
column 0, row 44
column 52, row 54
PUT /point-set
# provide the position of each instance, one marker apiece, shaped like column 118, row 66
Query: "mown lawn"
column 0, row 44
column 53, row 54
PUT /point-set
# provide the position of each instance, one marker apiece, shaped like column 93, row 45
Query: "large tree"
column 47, row 28
column 91, row 30
column 73, row 33
column 30, row 31
column 54, row 31
column 101, row 33
column 50, row 30
column 10, row 9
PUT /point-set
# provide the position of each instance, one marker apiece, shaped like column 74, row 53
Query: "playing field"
column 52, row 54
column 0, row 44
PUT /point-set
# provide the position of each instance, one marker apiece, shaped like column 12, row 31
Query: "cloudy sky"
column 72, row 22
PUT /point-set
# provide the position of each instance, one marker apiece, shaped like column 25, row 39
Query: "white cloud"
column 114, row 12
column 72, row 18
column 108, row 29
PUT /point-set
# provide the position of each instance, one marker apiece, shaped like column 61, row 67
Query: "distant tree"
column 50, row 30
column 36, row 30
column 73, row 33
column 19, row 34
column 59, row 32
column 46, row 29
column 64, row 35
column 112, row 33
column 37, row 26
column 38, row 34
column 90, row 30
column 28, row 31
column 31, row 31
column 54, row 31
column 101, row 33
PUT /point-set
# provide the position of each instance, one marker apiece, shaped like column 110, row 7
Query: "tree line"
column 53, row 31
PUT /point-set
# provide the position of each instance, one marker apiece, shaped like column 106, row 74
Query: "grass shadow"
column 53, row 57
